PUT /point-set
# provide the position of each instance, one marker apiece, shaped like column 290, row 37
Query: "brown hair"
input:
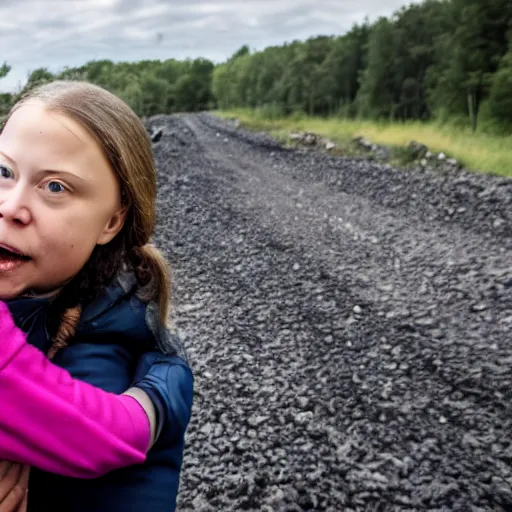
column 126, row 144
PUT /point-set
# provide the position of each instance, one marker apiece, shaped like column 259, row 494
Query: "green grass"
column 479, row 152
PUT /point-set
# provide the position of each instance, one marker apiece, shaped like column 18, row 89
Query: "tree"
column 4, row 70
column 5, row 98
column 344, row 65
column 470, row 55
column 401, row 50
column 500, row 101
column 154, row 95
column 133, row 95
column 377, row 94
column 241, row 52
column 38, row 77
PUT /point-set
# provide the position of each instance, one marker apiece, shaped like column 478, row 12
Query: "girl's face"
column 59, row 197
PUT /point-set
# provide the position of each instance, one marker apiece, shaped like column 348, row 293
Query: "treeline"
column 436, row 59
column 432, row 59
column 150, row 87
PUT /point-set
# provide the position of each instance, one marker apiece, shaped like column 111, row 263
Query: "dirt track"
column 349, row 327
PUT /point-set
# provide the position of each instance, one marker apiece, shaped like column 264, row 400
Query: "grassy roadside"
column 478, row 152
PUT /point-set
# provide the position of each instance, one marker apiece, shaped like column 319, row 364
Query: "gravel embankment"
column 349, row 326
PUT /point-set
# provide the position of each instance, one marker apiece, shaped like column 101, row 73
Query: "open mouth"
column 9, row 253
column 11, row 259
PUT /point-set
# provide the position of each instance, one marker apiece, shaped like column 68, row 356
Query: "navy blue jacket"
column 119, row 342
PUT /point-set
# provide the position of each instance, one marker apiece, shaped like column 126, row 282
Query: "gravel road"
column 349, row 326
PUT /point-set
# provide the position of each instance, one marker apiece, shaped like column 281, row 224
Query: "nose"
column 14, row 207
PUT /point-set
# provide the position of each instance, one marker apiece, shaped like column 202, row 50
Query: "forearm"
column 145, row 402
column 60, row 424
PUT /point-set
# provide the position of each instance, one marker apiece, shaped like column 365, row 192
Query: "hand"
column 13, row 487
column 169, row 383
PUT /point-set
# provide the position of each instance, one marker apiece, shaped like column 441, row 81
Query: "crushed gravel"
column 349, row 326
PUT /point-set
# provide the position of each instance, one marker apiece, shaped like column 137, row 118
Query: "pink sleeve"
column 59, row 424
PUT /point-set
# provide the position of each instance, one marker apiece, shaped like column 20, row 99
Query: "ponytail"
column 154, row 275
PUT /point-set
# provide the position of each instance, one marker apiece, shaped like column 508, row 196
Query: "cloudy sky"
column 56, row 33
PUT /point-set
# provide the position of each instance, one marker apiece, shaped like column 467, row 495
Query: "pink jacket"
column 59, row 424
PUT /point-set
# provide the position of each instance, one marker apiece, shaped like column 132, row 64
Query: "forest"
column 441, row 59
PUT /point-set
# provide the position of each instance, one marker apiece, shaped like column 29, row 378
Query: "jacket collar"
column 30, row 315
column 117, row 310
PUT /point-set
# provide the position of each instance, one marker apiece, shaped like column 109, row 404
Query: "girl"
column 77, row 209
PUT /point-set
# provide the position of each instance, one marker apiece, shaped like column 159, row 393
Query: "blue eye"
column 55, row 187
column 5, row 172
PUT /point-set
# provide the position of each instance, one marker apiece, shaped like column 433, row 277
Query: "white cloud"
column 72, row 32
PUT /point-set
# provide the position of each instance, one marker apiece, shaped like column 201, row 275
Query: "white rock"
column 310, row 139
column 187, row 308
column 303, row 417
column 441, row 156
column 256, row 420
column 303, row 402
